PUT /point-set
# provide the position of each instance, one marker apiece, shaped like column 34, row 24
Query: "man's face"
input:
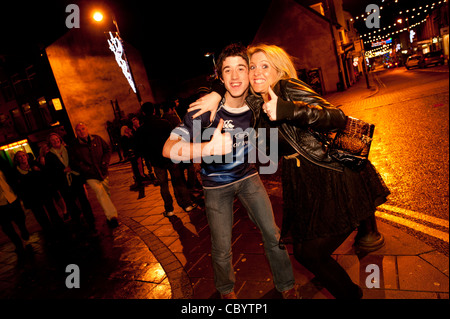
column 82, row 131
column 235, row 76
column 22, row 157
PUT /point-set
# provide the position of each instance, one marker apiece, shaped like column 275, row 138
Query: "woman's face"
column 262, row 74
column 55, row 141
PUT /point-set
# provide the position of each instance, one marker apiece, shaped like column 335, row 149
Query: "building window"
column 44, row 112
column 19, row 121
column 7, row 91
column 29, row 116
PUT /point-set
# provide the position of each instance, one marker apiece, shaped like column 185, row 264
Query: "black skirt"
column 320, row 202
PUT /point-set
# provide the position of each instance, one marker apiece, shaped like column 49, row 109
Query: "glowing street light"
column 98, row 16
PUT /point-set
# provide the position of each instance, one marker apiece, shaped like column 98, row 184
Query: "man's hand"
column 220, row 144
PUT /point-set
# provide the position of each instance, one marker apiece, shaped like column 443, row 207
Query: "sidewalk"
column 150, row 256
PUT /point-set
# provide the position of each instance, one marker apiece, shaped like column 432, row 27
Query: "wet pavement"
column 149, row 256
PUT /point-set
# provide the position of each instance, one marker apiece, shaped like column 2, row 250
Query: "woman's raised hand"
column 270, row 107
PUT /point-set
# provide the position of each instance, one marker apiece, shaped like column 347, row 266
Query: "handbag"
column 351, row 145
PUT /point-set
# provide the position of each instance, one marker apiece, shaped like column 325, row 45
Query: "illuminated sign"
column 115, row 45
column 14, row 145
column 411, row 36
column 377, row 44
column 57, row 104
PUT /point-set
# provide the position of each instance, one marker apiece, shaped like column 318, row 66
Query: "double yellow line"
column 412, row 224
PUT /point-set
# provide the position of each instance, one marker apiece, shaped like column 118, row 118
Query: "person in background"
column 11, row 210
column 59, row 201
column 128, row 142
column 91, row 156
column 69, row 183
column 172, row 117
column 170, row 114
column 32, row 188
column 154, row 133
column 142, row 156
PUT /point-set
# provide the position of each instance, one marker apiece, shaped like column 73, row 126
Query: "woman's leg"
column 315, row 255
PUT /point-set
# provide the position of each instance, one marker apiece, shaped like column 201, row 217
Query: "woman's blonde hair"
column 278, row 58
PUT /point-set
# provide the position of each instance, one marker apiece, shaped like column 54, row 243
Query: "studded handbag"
column 351, row 145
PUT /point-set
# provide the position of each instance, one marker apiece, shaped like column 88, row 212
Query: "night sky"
column 172, row 36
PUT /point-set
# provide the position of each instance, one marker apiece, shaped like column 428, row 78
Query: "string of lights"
column 405, row 20
column 414, row 13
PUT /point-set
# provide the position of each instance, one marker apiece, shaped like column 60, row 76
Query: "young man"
column 234, row 175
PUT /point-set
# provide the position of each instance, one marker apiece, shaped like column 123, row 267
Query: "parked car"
column 413, row 61
column 436, row 58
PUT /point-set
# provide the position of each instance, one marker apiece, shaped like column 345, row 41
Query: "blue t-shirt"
column 222, row 170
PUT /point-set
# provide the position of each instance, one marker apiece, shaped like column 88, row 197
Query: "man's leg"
column 103, row 197
column 253, row 196
column 180, row 189
column 219, row 211
column 163, row 181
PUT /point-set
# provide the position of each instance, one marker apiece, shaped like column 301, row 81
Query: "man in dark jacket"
column 91, row 155
column 151, row 138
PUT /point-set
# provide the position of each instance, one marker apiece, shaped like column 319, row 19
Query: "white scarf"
column 63, row 156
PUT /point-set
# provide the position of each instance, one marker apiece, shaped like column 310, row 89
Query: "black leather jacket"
column 303, row 119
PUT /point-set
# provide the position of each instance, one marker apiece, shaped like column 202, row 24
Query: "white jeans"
column 101, row 189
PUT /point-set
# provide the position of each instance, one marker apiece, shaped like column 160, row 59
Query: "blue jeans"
column 219, row 210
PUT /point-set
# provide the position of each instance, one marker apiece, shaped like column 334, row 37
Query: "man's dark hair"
column 234, row 49
column 148, row 108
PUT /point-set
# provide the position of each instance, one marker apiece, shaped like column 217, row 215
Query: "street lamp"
column 98, row 16
column 116, row 45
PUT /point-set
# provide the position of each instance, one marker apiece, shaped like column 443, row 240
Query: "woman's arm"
column 304, row 107
column 207, row 103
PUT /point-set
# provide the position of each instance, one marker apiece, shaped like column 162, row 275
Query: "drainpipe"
column 330, row 17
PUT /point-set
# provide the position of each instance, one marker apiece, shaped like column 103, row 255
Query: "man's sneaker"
column 190, row 207
column 290, row 294
column 169, row 213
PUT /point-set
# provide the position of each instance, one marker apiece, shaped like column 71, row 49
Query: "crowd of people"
column 53, row 186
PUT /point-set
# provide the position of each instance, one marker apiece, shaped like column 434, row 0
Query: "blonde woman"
column 323, row 202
